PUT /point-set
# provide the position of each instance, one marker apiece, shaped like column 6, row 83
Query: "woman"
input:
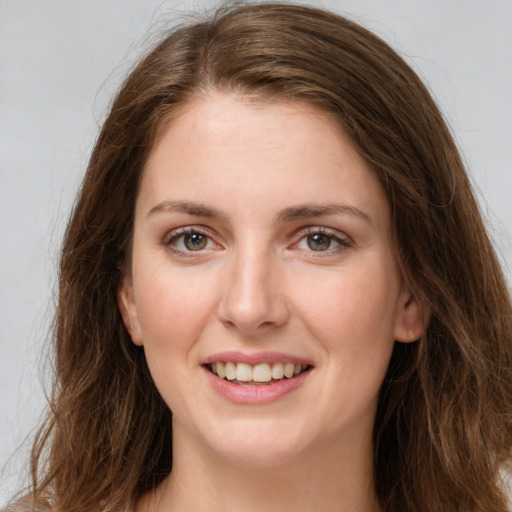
column 276, row 289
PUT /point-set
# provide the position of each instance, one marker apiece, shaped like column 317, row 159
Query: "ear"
column 411, row 320
column 128, row 309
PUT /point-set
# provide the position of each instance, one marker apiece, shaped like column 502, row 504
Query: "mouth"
column 262, row 374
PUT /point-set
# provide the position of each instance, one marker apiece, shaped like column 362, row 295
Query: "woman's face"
column 263, row 286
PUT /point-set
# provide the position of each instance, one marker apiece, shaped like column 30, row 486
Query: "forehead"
column 249, row 151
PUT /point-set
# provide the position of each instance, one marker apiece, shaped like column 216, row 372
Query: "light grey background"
column 61, row 60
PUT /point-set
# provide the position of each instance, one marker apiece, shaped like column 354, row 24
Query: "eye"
column 321, row 240
column 186, row 240
column 194, row 241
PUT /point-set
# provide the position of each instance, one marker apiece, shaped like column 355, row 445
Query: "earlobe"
column 128, row 309
column 412, row 319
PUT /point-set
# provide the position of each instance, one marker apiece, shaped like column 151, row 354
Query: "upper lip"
column 255, row 358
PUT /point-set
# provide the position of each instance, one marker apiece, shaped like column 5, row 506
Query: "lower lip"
column 254, row 395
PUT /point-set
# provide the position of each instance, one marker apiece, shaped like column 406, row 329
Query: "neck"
column 332, row 476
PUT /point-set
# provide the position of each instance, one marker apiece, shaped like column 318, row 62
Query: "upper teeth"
column 263, row 372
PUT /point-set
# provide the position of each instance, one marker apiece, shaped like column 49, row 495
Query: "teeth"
column 230, row 371
column 262, row 372
column 220, row 370
column 289, row 370
column 277, row 371
column 243, row 372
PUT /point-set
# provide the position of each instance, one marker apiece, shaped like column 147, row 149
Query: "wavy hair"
column 443, row 428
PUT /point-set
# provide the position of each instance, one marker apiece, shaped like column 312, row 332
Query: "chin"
column 257, row 445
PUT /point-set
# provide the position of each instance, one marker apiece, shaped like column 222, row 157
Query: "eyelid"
column 344, row 240
column 186, row 230
column 177, row 233
column 341, row 238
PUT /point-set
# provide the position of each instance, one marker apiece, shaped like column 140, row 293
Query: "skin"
column 257, row 285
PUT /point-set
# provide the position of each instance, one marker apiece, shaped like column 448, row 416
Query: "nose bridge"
column 253, row 299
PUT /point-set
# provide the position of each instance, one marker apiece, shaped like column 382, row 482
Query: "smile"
column 259, row 374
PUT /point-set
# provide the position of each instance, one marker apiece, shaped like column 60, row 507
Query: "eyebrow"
column 314, row 210
column 188, row 207
column 287, row 215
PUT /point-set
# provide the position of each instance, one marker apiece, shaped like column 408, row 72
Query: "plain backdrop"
column 61, row 61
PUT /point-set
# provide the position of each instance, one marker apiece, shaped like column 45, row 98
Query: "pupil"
column 195, row 242
column 318, row 242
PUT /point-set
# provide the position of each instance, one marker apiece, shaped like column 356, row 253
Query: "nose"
column 253, row 298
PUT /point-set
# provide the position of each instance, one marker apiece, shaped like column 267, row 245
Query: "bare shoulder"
column 27, row 504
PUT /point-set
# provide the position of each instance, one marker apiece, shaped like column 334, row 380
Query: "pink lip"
column 256, row 358
column 254, row 395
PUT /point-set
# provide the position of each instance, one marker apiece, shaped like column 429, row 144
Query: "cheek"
column 172, row 313
column 173, row 307
column 352, row 320
column 352, row 311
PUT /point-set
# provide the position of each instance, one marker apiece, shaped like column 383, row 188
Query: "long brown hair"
column 444, row 423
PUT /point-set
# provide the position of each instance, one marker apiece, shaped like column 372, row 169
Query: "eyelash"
column 173, row 237
column 343, row 242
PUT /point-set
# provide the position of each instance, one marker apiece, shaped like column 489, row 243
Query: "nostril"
column 253, row 299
